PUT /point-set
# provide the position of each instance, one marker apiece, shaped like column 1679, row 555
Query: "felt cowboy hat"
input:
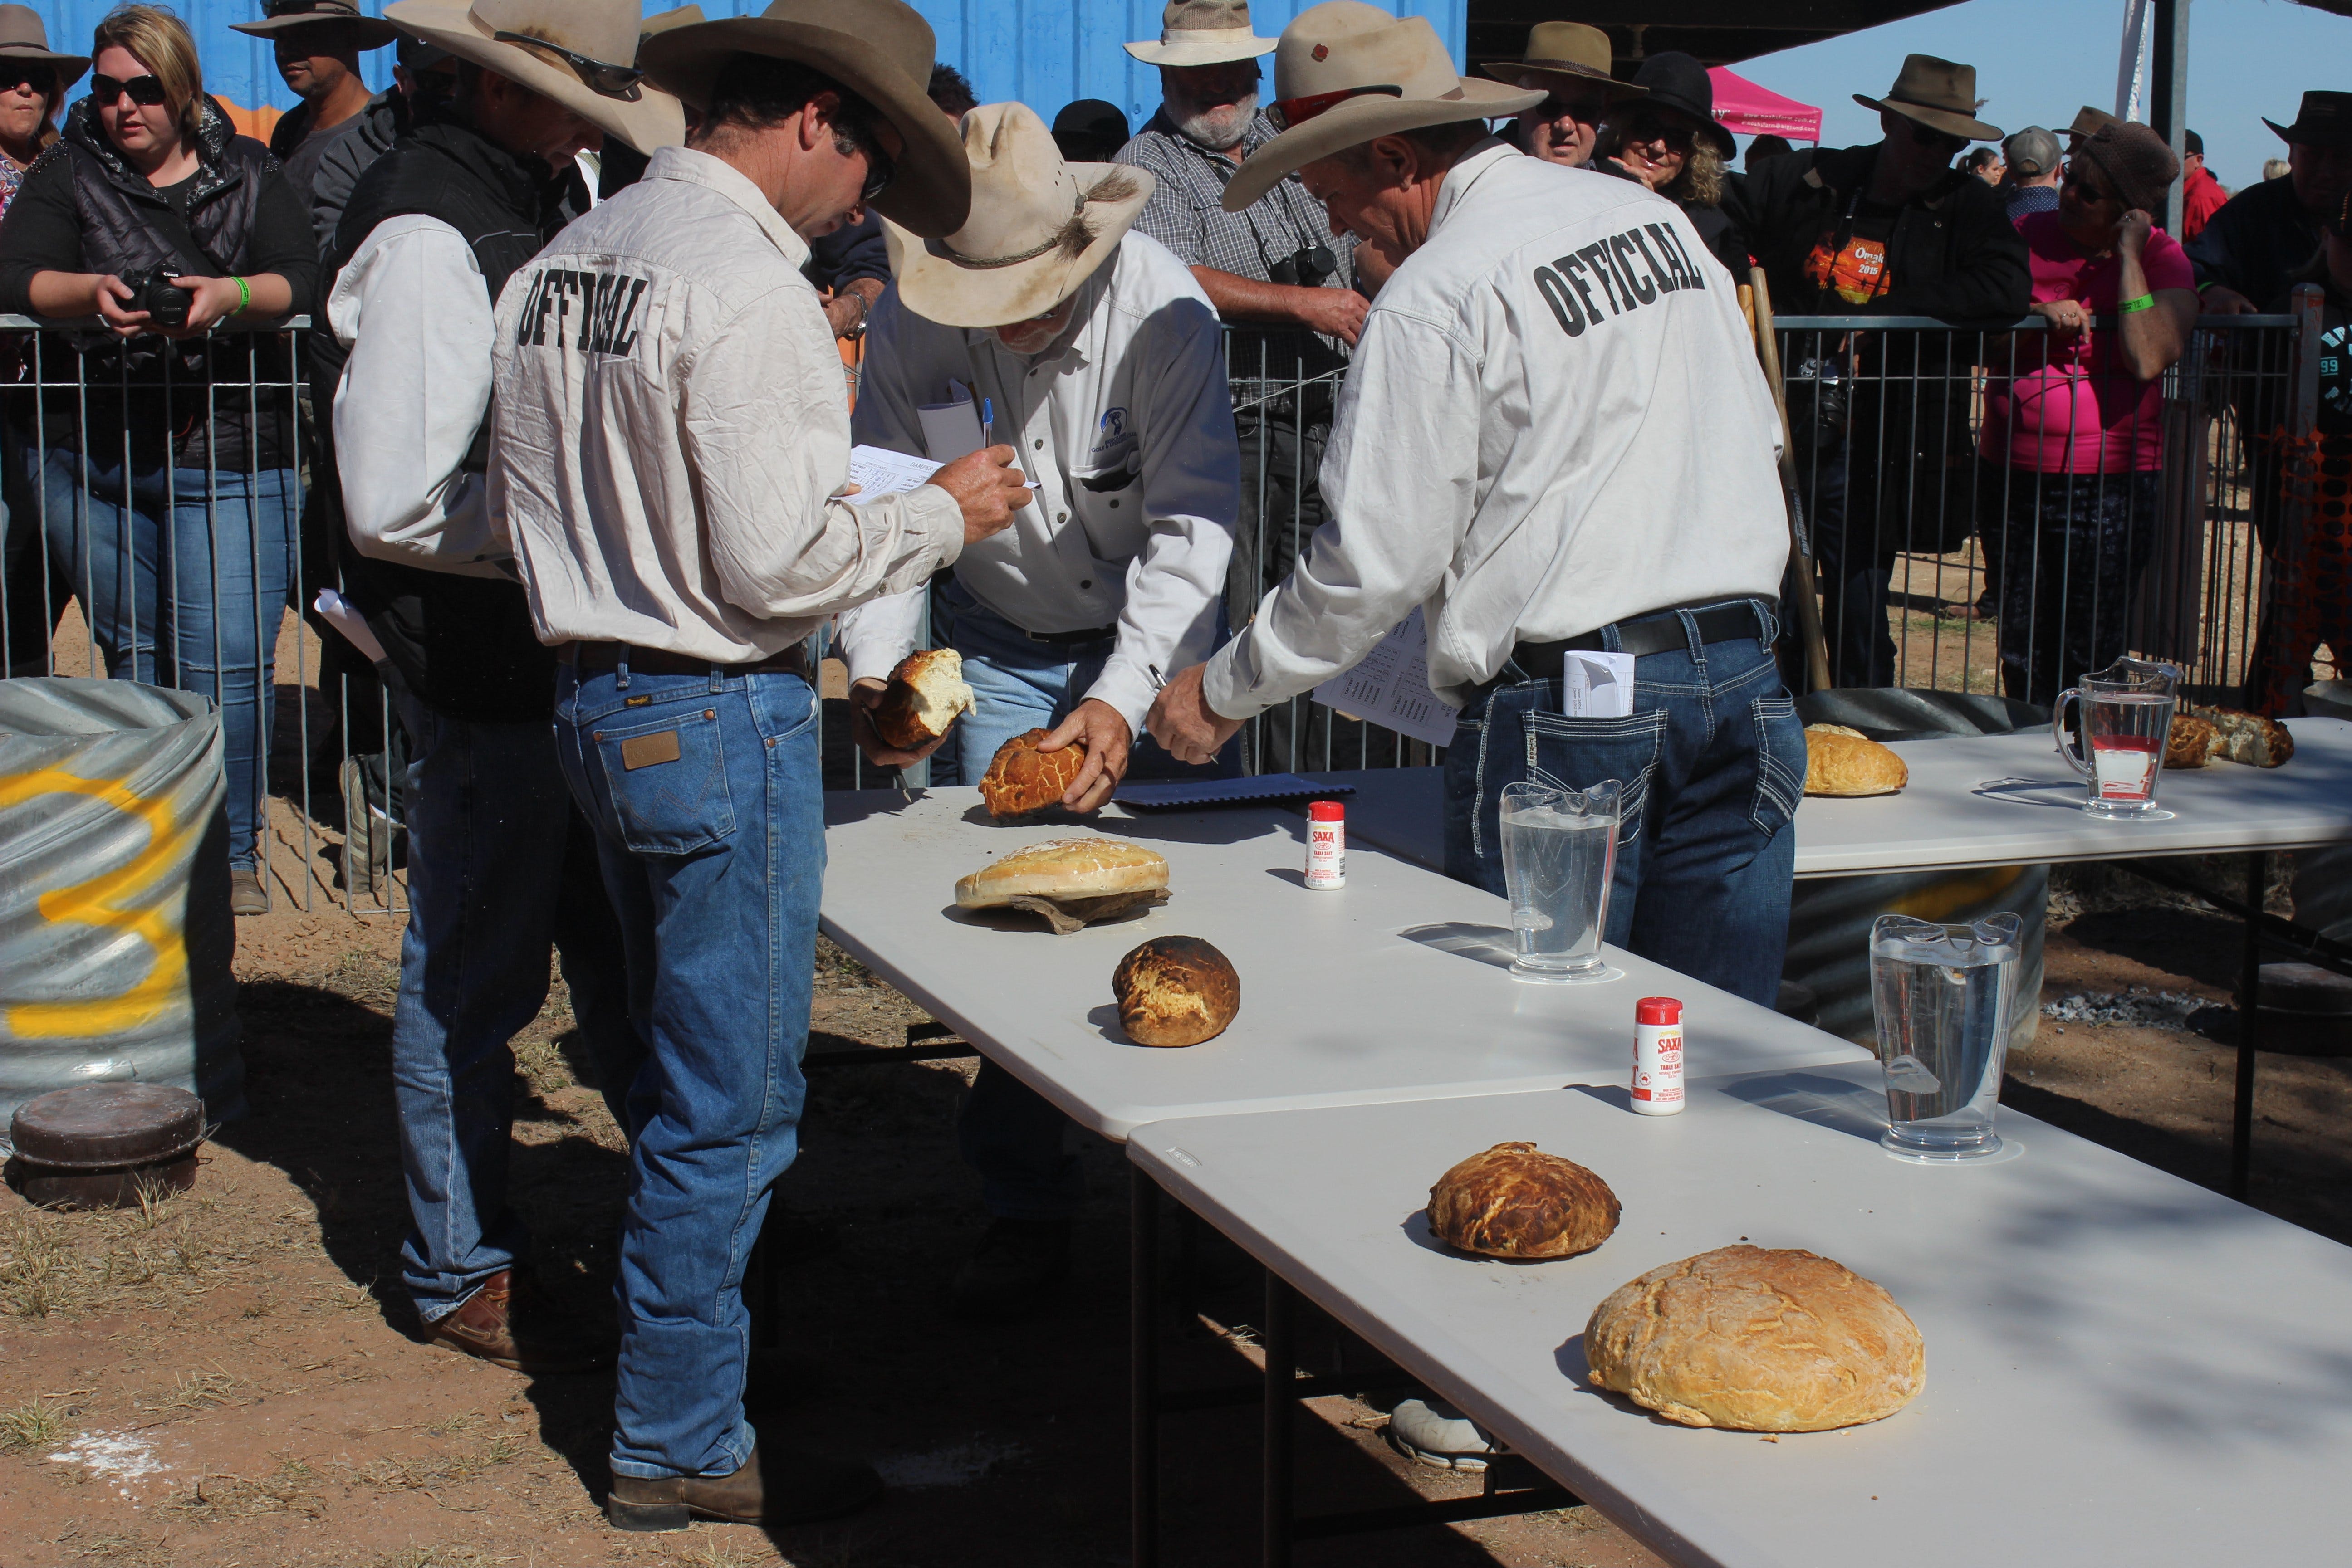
column 2087, row 121
column 1346, row 72
column 1563, row 54
column 1938, row 94
column 2323, row 120
column 1677, row 81
column 285, row 15
column 579, row 53
column 880, row 49
column 1039, row 228
column 1202, row 33
column 22, row 37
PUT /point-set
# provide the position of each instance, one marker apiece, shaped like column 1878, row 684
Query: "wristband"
column 2145, row 302
column 244, row 296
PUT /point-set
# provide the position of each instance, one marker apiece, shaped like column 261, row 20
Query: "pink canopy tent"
column 1753, row 111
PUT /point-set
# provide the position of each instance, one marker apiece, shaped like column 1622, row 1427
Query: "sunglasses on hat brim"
column 603, row 77
column 1289, row 113
column 146, row 91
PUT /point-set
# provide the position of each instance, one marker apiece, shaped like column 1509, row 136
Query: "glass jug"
column 1559, row 852
column 1940, row 997
column 2123, row 717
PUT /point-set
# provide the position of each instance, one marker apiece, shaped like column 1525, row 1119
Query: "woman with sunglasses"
column 33, row 82
column 169, row 455
column 1670, row 141
column 2072, row 449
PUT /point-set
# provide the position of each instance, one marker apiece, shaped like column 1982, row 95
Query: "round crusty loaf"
column 1758, row 1341
column 1842, row 761
column 1065, row 868
column 1516, row 1201
column 1175, row 990
column 1021, row 779
column 926, row 692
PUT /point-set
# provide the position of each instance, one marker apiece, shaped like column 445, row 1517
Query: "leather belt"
column 1661, row 633
column 1063, row 639
column 603, row 658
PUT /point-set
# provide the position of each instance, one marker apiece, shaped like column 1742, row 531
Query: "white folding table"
column 2122, row 1366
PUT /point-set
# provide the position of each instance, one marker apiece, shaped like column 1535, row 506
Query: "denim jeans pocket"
column 1578, row 753
column 1780, row 763
column 667, row 776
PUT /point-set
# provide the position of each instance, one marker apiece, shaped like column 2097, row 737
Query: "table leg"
column 1281, row 1372
column 2249, row 1028
column 1143, row 1368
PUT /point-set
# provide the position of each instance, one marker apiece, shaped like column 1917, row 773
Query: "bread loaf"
column 1516, row 1201
column 2247, row 737
column 1842, row 761
column 2190, row 742
column 1065, row 868
column 1175, row 990
column 1021, row 779
column 926, row 692
column 1758, row 1341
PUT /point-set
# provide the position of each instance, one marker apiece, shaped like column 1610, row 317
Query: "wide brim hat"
column 882, row 51
column 373, row 32
column 1570, row 53
column 1678, row 81
column 2323, row 120
column 1938, row 94
column 1202, row 33
column 1039, row 227
column 24, row 38
column 598, row 29
column 1354, row 72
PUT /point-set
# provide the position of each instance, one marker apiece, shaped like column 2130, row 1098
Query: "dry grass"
column 288, row 1490
column 34, row 1424
column 155, row 1254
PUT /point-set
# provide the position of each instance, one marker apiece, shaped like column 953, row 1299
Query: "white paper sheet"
column 950, row 429
column 339, row 612
column 1596, row 685
column 877, row 471
column 1390, row 687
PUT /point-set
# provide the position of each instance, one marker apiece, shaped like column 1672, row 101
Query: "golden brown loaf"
column 1065, row 868
column 1758, row 1341
column 1842, row 761
column 2247, row 737
column 1175, row 990
column 2190, row 742
column 1516, row 1201
column 1022, row 779
column 926, row 692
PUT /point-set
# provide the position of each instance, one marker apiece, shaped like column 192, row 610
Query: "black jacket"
column 464, row 645
column 2260, row 236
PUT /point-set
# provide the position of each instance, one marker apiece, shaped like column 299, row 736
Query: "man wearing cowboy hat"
column 1569, row 63
column 1555, row 441
column 2267, row 231
column 1887, row 228
column 318, row 44
column 1105, row 363
column 401, row 380
column 672, row 450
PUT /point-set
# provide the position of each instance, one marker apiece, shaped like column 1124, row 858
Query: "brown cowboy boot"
column 776, row 1486
column 511, row 1323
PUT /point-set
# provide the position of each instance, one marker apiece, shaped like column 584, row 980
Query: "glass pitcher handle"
column 2058, row 731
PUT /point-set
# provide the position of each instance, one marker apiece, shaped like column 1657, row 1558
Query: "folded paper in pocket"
column 1596, row 685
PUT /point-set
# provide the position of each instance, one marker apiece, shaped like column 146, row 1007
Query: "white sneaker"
column 1436, row 1434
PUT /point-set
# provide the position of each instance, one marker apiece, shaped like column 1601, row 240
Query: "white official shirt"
column 1125, row 426
column 673, row 431
column 1554, row 420
column 412, row 393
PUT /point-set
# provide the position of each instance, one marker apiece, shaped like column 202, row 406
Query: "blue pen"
column 987, row 421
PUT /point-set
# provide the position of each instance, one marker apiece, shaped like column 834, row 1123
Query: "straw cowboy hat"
column 579, row 53
column 1346, row 72
column 1563, row 54
column 22, row 37
column 1202, row 33
column 1938, row 94
column 880, row 49
column 285, row 15
column 1038, row 227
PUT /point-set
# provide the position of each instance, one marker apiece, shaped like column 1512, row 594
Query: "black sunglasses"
column 40, row 78
column 612, row 80
column 880, row 168
column 1648, row 125
column 1929, row 136
column 1288, row 114
column 146, row 91
column 2078, row 180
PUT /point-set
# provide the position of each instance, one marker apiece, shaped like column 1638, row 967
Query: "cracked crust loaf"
column 1757, row 1341
column 1516, row 1201
column 1175, row 990
column 1847, row 762
column 925, row 694
column 1021, row 779
column 1065, row 868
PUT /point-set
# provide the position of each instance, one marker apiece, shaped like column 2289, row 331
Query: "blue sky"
column 2038, row 61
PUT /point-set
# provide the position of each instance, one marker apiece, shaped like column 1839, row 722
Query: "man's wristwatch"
column 856, row 329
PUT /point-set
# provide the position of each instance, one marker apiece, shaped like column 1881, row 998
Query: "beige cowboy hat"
column 1564, row 54
column 285, row 15
column 881, row 50
column 1345, row 72
column 1039, row 227
column 579, row 53
column 1202, row 33
column 22, row 37
column 1938, row 94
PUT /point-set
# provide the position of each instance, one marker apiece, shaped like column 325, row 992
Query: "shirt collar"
column 1465, row 175
column 690, row 167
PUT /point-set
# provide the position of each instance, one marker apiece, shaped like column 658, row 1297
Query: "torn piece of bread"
column 926, row 694
column 2247, row 737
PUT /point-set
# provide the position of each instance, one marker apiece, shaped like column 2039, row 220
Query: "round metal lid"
column 2304, row 989
column 95, row 1125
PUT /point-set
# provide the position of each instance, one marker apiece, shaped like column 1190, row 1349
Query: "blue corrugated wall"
column 1043, row 52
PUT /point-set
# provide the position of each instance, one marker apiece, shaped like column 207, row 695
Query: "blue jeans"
column 209, row 623
column 1008, row 1132
column 706, row 797
column 500, row 868
column 1713, row 762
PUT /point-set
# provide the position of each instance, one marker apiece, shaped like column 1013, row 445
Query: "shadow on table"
column 1857, row 1109
column 1494, row 944
column 2057, row 794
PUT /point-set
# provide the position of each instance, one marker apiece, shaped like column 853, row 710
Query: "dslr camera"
column 1305, row 267
column 153, row 292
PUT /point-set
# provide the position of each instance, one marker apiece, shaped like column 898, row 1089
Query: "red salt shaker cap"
column 1327, row 812
column 1657, row 1010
